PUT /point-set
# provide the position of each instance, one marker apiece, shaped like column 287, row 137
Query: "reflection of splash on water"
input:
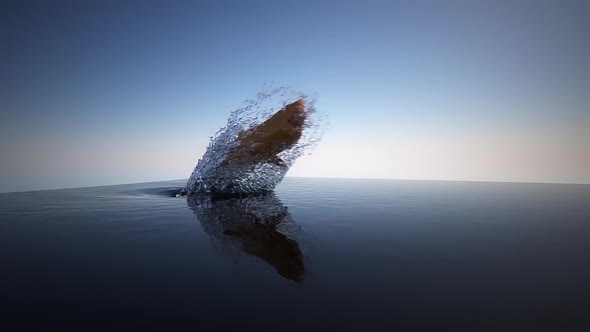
column 258, row 225
column 209, row 176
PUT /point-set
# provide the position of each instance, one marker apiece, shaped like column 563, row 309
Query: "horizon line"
column 306, row 177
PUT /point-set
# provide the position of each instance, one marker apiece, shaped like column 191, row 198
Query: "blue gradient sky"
column 105, row 92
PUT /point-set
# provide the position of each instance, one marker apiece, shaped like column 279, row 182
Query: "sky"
column 109, row 92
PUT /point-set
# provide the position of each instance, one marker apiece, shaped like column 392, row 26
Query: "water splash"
column 210, row 176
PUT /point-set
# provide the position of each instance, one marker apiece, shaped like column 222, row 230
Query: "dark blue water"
column 317, row 254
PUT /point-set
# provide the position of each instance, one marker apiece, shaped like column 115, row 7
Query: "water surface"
column 317, row 254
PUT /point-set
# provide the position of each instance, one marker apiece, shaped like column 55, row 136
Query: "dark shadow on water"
column 259, row 225
column 154, row 191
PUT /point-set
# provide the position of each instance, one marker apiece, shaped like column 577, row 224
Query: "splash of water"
column 211, row 176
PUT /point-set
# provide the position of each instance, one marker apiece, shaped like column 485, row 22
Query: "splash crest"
column 213, row 175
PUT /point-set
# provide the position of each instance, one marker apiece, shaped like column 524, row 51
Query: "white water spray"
column 210, row 176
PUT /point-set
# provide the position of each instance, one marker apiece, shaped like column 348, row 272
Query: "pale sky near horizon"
column 107, row 92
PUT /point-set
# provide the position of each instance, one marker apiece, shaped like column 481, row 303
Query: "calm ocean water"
column 317, row 254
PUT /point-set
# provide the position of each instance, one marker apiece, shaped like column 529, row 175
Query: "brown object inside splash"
column 265, row 141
